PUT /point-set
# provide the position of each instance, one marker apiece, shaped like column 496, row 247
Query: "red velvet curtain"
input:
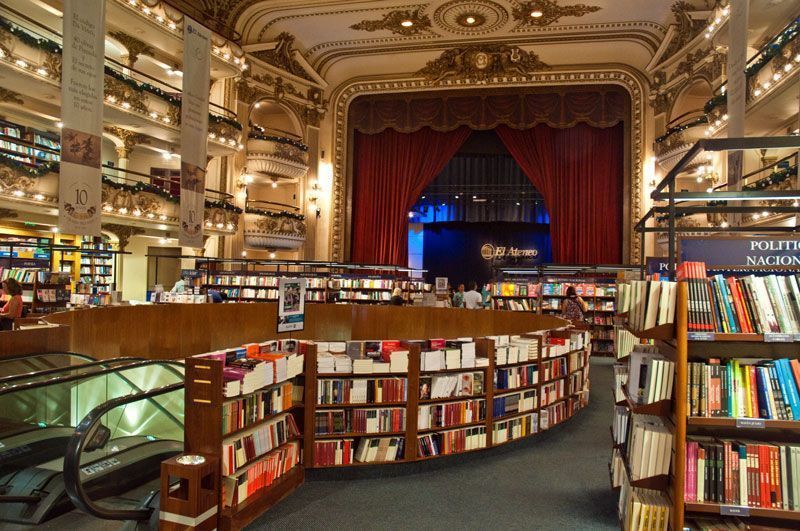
column 391, row 170
column 579, row 172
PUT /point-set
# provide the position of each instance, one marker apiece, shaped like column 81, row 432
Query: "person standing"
column 13, row 308
column 472, row 299
column 458, row 297
column 572, row 307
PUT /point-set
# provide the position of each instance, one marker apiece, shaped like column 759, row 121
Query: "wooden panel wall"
column 179, row 330
column 18, row 342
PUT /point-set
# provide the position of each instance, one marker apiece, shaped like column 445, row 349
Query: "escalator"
column 31, row 363
column 39, row 416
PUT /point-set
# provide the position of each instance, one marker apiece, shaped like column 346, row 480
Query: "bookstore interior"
column 373, row 233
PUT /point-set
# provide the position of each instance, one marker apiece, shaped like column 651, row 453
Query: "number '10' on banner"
column 194, row 131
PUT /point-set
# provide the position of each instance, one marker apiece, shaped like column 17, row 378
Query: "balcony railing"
column 276, row 155
column 269, row 225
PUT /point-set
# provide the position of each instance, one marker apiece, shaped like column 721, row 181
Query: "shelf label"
column 700, row 336
column 734, row 510
column 774, row 337
column 750, row 423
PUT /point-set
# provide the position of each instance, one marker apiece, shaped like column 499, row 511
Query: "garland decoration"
column 776, row 177
column 258, row 133
column 678, row 128
column 273, row 214
column 42, row 43
column 224, row 205
column 42, row 169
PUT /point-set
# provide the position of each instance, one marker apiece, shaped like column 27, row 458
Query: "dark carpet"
column 555, row 480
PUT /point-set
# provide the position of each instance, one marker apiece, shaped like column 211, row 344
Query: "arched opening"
column 688, row 107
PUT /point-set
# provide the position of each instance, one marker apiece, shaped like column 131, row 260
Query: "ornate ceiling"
column 347, row 39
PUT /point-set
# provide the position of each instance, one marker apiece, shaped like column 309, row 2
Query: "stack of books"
column 649, row 447
column 767, row 389
column 744, row 473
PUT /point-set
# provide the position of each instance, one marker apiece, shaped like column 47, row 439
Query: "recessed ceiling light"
column 407, row 23
column 470, row 20
column 536, row 13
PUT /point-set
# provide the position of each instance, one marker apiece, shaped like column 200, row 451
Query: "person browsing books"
column 397, row 297
column 458, row 297
column 180, row 286
column 13, row 308
column 472, row 299
column 572, row 307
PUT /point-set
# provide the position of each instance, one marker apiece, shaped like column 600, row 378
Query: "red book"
column 796, row 371
column 776, row 477
column 753, row 390
column 753, row 480
column 764, row 473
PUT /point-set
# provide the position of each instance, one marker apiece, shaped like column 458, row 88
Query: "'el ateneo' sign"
column 490, row 252
column 758, row 251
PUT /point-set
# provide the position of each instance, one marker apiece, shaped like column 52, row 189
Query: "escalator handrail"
column 5, row 380
column 168, row 364
column 40, row 354
column 72, row 460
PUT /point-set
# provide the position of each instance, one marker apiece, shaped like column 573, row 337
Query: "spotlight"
column 470, row 20
column 60, row 125
column 536, row 13
column 55, row 230
column 244, row 253
column 410, row 214
column 724, row 224
column 272, row 256
column 407, row 23
column 18, row 193
column 274, row 184
column 39, row 197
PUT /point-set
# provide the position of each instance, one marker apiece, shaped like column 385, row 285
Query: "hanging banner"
column 194, row 130
column 755, row 251
column 736, row 85
column 291, row 304
column 79, row 184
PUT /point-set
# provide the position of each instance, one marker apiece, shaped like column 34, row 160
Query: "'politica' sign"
column 759, row 251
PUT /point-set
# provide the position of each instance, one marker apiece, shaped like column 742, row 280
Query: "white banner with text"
column 80, row 180
column 194, row 130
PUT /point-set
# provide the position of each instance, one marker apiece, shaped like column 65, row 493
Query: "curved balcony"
column 269, row 228
column 275, row 156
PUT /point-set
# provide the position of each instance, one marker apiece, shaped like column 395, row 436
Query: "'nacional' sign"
column 759, row 251
column 194, row 131
column 79, row 182
column 490, row 252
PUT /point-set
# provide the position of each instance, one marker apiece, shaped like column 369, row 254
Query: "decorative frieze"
column 402, row 22
column 540, row 13
column 480, row 63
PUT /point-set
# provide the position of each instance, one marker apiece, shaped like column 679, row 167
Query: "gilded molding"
column 134, row 46
column 686, row 27
column 130, row 139
column 618, row 76
column 123, row 92
column 123, row 233
column 282, row 56
column 486, row 17
column 393, row 21
column 550, row 11
column 481, row 63
column 12, row 180
column 9, row 96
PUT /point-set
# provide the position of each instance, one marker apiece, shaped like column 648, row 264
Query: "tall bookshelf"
column 97, row 266
column 683, row 347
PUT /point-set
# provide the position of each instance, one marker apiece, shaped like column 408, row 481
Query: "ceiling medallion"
column 481, row 63
column 474, row 17
column 546, row 12
column 401, row 22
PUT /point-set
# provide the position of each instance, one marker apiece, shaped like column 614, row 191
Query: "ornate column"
column 129, row 139
column 134, row 46
column 123, row 234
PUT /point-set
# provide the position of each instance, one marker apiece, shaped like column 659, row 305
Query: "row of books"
column 514, row 305
column 319, row 283
column 451, row 385
column 649, row 303
column 577, row 360
column 749, row 388
column 644, row 509
column 516, row 428
column 555, row 368
column 241, row 450
column 649, row 447
column 619, row 425
column 259, row 475
column 452, row 441
column 450, row 414
column 24, row 276
column 90, row 299
column 515, row 377
column 256, row 365
column 379, row 449
column 367, row 420
column 455, row 355
column 251, row 409
column 361, row 390
column 53, row 294
column 620, row 381
column 341, row 363
column 513, row 289
column 748, row 305
column 650, row 376
column 624, row 342
column 553, row 391
column 744, row 473
column 514, row 403
column 343, row 295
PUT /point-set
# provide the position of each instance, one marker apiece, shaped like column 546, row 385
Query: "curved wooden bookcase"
column 169, row 331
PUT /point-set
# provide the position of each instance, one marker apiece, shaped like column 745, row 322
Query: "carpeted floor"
column 556, row 480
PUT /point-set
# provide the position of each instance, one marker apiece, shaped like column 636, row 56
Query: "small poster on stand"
column 441, row 285
column 291, row 304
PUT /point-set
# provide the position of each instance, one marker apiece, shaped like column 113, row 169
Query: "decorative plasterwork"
column 686, row 28
column 9, row 96
column 123, row 233
column 12, row 180
column 481, row 63
column 282, row 56
column 476, row 17
column 134, row 46
column 540, row 13
column 310, row 111
column 267, row 232
column 401, row 22
column 620, row 77
column 130, row 139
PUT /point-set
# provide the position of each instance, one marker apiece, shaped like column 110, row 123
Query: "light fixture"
column 153, row 114
column 244, row 253
column 765, row 213
column 162, row 217
column 457, row 196
column 41, row 71
column 39, row 197
column 167, row 155
column 18, row 193
column 518, row 203
column 107, row 208
column 248, row 179
column 229, row 226
column 407, row 23
column 443, row 204
column 536, row 13
column 123, row 210
column 60, row 125
column 470, row 20
column 126, row 105
column 54, row 230
column 257, row 105
column 172, row 25
column 162, row 241
column 795, row 203
column 474, row 197
column 709, row 190
column 20, row 63
column 271, row 255
column 423, row 197
column 220, row 225
column 146, row 10
column 208, row 224
column 699, row 178
column 137, row 212
column 166, row 119
column 410, row 214
column 757, row 92
column 274, row 184
column 724, row 224
column 150, row 215
column 756, row 215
